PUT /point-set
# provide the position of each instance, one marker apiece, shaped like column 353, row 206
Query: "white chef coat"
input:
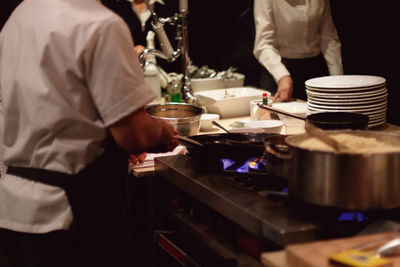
column 67, row 71
column 295, row 29
column 2, row 167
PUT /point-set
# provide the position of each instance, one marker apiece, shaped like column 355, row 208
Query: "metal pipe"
column 167, row 50
column 183, row 42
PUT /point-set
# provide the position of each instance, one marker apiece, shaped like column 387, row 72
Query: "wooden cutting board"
column 316, row 254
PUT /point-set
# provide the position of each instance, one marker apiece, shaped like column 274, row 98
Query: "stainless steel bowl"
column 185, row 117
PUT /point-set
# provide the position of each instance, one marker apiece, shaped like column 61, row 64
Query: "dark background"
column 221, row 34
column 367, row 30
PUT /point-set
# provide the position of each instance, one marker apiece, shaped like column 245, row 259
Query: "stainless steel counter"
column 251, row 211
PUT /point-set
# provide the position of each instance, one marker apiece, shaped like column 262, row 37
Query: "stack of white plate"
column 349, row 93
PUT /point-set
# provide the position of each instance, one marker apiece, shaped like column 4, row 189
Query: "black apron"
column 97, row 196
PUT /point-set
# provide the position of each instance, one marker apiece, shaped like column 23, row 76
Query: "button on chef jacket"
column 68, row 70
column 295, row 29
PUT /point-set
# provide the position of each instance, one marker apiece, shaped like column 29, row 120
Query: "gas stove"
column 254, row 175
column 249, row 194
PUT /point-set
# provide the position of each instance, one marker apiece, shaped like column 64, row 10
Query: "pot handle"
column 279, row 151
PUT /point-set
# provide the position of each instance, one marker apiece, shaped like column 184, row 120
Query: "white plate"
column 348, row 103
column 356, row 107
column 346, row 100
column 345, row 81
column 344, row 90
column 294, row 107
column 377, row 116
column 367, row 112
column 348, row 95
column 376, row 123
column 262, row 126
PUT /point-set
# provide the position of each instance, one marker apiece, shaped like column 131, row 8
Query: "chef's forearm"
column 137, row 132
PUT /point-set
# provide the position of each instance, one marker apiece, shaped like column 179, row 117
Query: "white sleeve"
column 263, row 50
column 115, row 77
column 2, row 167
column 330, row 43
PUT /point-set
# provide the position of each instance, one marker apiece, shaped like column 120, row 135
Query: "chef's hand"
column 168, row 140
column 137, row 158
column 139, row 49
column 285, row 89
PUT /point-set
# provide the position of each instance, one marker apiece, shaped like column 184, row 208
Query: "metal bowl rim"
column 176, row 104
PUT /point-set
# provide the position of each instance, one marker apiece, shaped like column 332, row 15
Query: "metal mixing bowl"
column 185, row 117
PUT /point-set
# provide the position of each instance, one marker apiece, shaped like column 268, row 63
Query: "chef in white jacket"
column 73, row 97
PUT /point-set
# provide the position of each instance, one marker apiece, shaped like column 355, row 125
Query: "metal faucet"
column 146, row 52
column 168, row 53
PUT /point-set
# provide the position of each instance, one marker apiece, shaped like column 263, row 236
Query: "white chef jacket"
column 68, row 70
column 295, row 29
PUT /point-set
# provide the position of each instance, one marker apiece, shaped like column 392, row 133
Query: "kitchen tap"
column 167, row 52
column 152, row 51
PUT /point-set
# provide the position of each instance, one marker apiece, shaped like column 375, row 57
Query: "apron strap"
column 54, row 178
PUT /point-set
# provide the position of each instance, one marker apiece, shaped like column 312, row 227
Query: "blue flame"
column 352, row 216
column 250, row 164
column 226, row 163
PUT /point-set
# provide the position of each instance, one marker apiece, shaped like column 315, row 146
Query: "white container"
column 206, row 121
column 296, row 108
column 257, row 113
column 203, row 84
column 229, row 102
column 236, row 81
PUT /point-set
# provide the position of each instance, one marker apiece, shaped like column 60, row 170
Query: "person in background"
column 138, row 17
column 295, row 40
column 72, row 98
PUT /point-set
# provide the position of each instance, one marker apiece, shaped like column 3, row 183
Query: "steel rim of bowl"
column 153, row 108
column 164, row 106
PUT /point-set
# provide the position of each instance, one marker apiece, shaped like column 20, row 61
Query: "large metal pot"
column 345, row 180
column 185, row 117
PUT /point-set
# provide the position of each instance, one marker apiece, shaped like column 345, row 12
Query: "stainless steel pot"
column 185, row 117
column 344, row 180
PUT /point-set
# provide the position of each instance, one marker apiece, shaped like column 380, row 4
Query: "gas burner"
column 253, row 174
column 356, row 216
column 251, row 165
